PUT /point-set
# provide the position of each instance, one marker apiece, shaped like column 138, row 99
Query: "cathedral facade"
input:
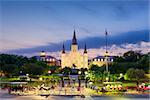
column 74, row 59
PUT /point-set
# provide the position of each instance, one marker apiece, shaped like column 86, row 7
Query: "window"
column 53, row 59
column 47, row 59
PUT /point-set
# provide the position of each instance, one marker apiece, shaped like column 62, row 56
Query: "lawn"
column 129, row 84
column 9, row 79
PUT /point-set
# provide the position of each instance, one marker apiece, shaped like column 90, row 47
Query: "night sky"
column 33, row 25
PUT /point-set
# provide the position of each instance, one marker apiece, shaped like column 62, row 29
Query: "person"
column 82, row 90
column 9, row 90
column 71, row 90
column 60, row 89
column 96, row 88
column 78, row 88
column 103, row 90
column 65, row 90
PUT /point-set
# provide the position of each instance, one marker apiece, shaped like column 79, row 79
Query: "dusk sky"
column 36, row 23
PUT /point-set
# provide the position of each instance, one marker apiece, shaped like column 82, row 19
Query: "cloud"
column 131, row 37
column 114, row 50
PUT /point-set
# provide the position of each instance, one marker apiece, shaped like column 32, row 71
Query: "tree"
column 135, row 75
column 33, row 69
column 83, row 70
column 54, row 69
column 13, row 64
column 66, row 70
column 132, row 56
column 12, row 59
column 144, row 63
column 10, row 69
column 119, row 59
column 96, row 68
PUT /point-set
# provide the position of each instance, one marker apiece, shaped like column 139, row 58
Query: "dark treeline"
column 14, row 65
column 130, row 59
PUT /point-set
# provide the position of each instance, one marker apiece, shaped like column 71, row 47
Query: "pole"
column 106, row 56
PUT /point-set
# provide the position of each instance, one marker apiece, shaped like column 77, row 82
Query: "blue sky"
column 38, row 23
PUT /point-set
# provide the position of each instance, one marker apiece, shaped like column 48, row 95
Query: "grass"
column 9, row 79
column 148, row 75
column 129, row 84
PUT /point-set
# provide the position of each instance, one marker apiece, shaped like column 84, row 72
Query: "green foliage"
column 132, row 56
column 66, row 70
column 144, row 63
column 130, row 59
column 122, row 67
column 4, row 79
column 33, row 68
column 83, row 70
column 54, row 69
column 96, row 68
column 12, row 59
column 135, row 74
column 11, row 65
column 51, row 77
column 10, row 69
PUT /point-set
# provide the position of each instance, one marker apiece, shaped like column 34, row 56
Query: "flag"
column 106, row 32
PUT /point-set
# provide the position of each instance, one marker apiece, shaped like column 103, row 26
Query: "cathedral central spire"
column 74, row 40
column 85, row 51
column 63, row 51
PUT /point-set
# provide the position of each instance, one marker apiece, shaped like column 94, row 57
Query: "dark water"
column 5, row 96
column 128, row 97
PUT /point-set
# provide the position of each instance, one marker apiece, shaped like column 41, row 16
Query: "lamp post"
column 40, row 78
column 107, row 79
column 85, row 78
column 79, row 73
column 106, row 56
column 121, row 75
column 49, row 72
column 20, row 72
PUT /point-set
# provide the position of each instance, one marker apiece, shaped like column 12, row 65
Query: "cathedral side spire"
column 85, row 50
column 63, row 51
column 74, row 40
column 106, row 34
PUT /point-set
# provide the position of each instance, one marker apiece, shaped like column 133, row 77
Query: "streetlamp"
column 79, row 73
column 121, row 75
column 90, row 84
column 86, row 78
column 20, row 72
column 28, row 79
column 85, row 72
column 40, row 79
column 49, row 72
column 27, row 74
column 107, row 79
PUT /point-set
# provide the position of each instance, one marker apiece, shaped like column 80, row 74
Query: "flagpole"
column 106, row 55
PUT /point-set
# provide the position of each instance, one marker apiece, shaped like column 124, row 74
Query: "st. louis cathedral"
column 74, row 58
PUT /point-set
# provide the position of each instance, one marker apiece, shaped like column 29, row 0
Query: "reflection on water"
column 5, row 96
column 70, row 98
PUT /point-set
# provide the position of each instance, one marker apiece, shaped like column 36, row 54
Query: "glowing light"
column 40, row 79
column 79, row 72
